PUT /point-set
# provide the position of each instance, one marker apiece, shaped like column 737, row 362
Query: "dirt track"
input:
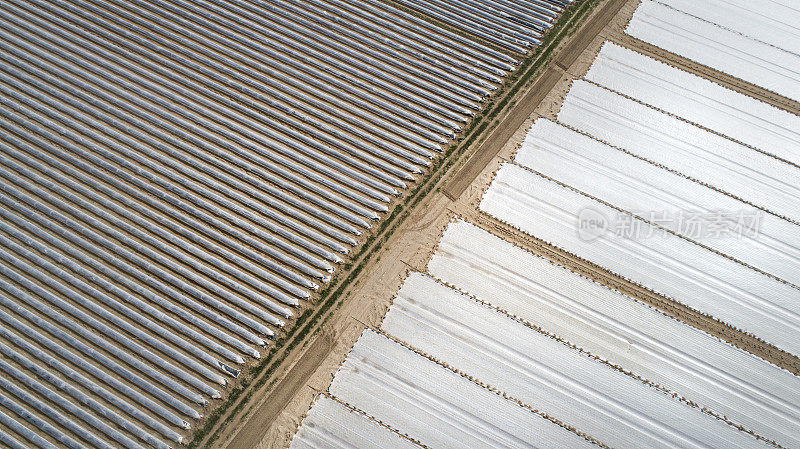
column 531, row 99
column 252, row 432
column 277, row 415
column 716, row 76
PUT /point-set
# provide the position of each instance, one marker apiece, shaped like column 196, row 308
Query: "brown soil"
column 716, row 76
column 254, row 429
column 531, row 99
column 277, row 410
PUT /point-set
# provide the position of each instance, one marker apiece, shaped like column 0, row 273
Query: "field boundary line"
column 669, row 306
column 491, row 388
column 312, row 318
column 590, row 355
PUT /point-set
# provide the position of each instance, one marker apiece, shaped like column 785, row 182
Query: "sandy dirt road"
column 276, row 412
column 531, row 99
column 252, row 432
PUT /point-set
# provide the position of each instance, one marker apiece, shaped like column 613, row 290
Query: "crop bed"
column 567, row 284
column 178, row 178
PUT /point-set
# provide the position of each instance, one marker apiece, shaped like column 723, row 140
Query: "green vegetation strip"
column 258, row 375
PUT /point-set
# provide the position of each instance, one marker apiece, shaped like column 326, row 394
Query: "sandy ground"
column 272, row 419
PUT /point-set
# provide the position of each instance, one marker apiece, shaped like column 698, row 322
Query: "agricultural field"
column 183, row 182
column 681, row 94
column 622, row 272
column 491, row 325
column 484, row 312
column 761, row 51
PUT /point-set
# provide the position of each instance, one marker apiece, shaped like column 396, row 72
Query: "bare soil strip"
column 716, row 76
column 252, row 432
column 535, row 94
column 670, row 307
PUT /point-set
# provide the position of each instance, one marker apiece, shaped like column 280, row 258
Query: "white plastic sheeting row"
column 727, row 380
column 723, row 48
column 675, row 267
column 754, row 177
column 176, row 176
column 639, row 187
column 768, row 21
column 752, row 122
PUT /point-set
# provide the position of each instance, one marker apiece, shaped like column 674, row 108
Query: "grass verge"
column 260, row 373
